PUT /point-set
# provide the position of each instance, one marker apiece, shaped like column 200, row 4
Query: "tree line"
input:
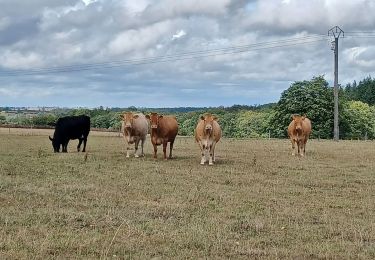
column 313, row 98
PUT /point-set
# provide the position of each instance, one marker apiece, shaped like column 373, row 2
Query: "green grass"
column 257, row 201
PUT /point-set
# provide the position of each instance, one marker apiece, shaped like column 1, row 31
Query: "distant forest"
column 313, row 98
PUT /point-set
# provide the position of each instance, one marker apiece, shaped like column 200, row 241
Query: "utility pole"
column 336, row 32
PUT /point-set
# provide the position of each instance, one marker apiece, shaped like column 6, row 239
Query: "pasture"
column 257, row 201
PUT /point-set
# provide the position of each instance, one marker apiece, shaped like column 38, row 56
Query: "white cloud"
column 87, row 2
column 47, row 33
column 361, row 56
column 18, row 60
column 138, row 40
column 178, row 34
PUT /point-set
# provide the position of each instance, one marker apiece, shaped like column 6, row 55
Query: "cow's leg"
column 84, row 144
column 303, row 147
column 65, row 146
column 165, row 143
column 299, row 146
column 210, row 161
column 79, row 144
column 213, row 151
column 203, row 160
column 126, row 145
column 205, row 150
column 136, row 148
column 170, row 149
column 293, row 146
column 127, row 150
column 142, row 143
column 155, row 151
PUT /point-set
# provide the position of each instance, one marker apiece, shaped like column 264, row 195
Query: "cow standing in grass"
column 70, row 128
column 164, row 129
column 207, row 134
column 299, row 131
column 134, row 128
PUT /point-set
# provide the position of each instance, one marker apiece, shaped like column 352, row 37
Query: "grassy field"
column 257, row 201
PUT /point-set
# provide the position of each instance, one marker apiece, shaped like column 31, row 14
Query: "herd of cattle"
column 163, row 130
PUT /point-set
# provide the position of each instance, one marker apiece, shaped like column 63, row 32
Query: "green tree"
column 187, row 122
column 115, row 120
column 20, row 120
column 363, row 91
column 101, row 121
column 44, row 120
column 252, row 124
column 357, row 121
column 312, row 98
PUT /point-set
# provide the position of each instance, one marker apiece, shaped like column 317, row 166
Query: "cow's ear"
column 293, row 117
column 160, row 116
column 122, row 116
column 148, row 117
column 202, row 117
column 303, row 117
column 215, row 118
column 135, row 116
column 50, row 138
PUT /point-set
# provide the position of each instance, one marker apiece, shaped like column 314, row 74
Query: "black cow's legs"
column 65, row 146
column 79, row 144
column 84, row 144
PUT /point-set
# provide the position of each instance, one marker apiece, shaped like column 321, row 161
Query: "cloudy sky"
column 168, row 53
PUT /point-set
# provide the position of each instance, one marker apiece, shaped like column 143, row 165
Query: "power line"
column 356, row 32
column 360, row 34
column 171, row 57
column 200, row 53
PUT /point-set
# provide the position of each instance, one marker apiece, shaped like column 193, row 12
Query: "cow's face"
column 208, row 122
column 154, row 120
column 128, row 119
column 55, row 144
column 298, row 120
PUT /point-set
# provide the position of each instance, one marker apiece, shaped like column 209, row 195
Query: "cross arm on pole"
column 335, row 32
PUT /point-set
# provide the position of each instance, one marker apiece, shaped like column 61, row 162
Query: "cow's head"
column 154, row 120
column 298, row 120
column 55, row 144
column 208, row 122
column 128, row 118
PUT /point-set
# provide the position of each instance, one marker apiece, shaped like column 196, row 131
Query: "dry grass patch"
column 257, row 201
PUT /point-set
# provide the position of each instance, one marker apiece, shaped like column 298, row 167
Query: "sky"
column 168, row 53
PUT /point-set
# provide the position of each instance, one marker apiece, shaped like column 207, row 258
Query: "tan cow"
column 299, row 131
column 207, row 134
column 134, row 128
column 164, row 129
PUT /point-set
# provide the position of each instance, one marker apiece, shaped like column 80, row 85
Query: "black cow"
column 69, row 128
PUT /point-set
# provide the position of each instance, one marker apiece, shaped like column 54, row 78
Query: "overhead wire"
column 169, row 58
column 360, row 34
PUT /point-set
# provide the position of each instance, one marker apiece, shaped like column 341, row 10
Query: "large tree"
column 363, row 91
column 312, row 98
column 357, row 121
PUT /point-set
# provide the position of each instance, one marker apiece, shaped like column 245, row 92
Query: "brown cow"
column 299, row 131
column 135, row 129
column 163, row 130
column 207, row 134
